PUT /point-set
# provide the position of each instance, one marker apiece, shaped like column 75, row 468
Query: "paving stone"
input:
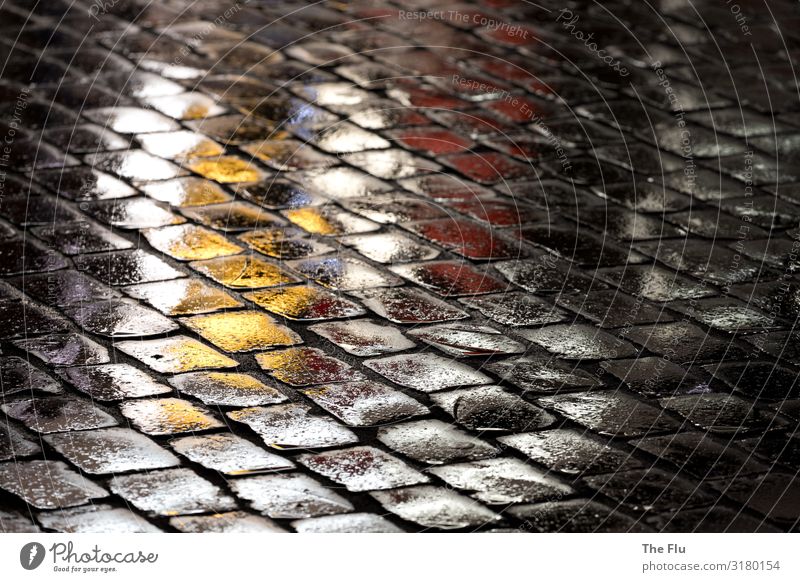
column 761, row 380
column 306, row 367
column 179, row 145
column 175, row 354
column 432, row 140
column 499, row 213
column 292, row 496
column 650, row 490
column 224, row 169
column 65, row 350
column 409, row 306
column 126, row 267
column 394, row 208
column 502, row 481
column 516, row 309
column 73, row 238
column 465, row 238
column 362, row 337
column 683, row 342
column 445, row 187
column 243, row 272
column 343, row 273
column 164, row 416
column 329, row 221
column 186, row 106
column 614, row 309
column 365, row 403
column 242, row 331
column 183, row 297
column 120, row 318
column 611, row 413
column 544, row 375
column 288, row 155
column 579, row 342
column 133, row 213
column 434, row 442
column 18, row 376
column 651, row 376
column 426, row 372
column 656, row 283
column 305, row 303
column 435, row 507
column 727, row 314
column 291, row 426
column 171, row 492
column 130, row 120
column 86, row 139
column 35, row 210
column 24, row 318
column 449, row 278
column 721, row 413
column 571, row 452
column 230, row 522
column 463, row 340
column 363, row 469
column 490, row 408
column 84, row 184
column 112, row 382
column 186, row 242
column 644, row 196
column 347, row 523
column 232, row 216
column 278, row 194
column 185, row 192
column 574, row 516
column 284, row 243
column 779, row 299
column 48, row 484
column 65, row 288
column 16, row 444
column 111, row 450
column 25, row 256
column 578, row 246
column 229, row 454
column 774, row 447
column 96, row 519
column 342, row 183
column 774, row 495
column 547, row 274
column 699, row 455
column 345, row 139
column 226, row 389
column 390, row 248
column 231, row 129
column 488, row 167
column 58, row 414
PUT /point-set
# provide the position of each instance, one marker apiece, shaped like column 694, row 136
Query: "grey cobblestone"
column 289, row 273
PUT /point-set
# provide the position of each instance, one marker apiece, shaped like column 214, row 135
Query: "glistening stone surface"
column 358, row 270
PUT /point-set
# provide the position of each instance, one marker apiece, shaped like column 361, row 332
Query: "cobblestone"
column 321, row 276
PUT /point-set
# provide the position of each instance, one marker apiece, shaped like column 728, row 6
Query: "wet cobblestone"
column 322, row 276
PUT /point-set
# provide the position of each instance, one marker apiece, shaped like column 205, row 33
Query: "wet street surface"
column 382, row 266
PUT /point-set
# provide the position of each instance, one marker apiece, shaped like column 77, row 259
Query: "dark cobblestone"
column 268, row 270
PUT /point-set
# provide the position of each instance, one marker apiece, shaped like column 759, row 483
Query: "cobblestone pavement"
column 382, row 266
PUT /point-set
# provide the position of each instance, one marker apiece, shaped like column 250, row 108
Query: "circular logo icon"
column 31, row 555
